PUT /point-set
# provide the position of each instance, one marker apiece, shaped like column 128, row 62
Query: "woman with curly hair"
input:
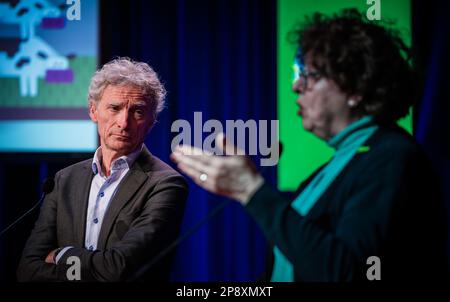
column 377, row 201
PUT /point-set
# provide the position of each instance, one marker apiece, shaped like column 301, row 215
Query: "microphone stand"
column 170, row 247
column 180, row 239
column 48, row 185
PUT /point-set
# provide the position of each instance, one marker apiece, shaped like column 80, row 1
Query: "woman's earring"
column 351, row 103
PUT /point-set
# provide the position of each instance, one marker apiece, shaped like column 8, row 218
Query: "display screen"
column 48, row 53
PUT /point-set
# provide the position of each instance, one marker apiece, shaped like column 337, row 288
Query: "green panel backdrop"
column 303, row 152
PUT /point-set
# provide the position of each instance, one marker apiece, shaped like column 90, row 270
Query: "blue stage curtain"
column 215, row 57
column 432, row 45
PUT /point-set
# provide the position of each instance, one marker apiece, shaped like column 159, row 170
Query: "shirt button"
column 102, row 194
column 96, row 220
column 91, row 248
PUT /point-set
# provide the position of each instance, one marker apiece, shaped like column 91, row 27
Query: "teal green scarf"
column 347, row 143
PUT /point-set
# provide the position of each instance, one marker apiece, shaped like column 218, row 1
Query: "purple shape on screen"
column 53, row 23
column 59, row 76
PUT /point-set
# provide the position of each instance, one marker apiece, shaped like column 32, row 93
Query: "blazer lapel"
column 127, row 188
column 81, row 201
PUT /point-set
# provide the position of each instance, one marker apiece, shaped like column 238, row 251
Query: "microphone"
column 192, row 230
column 47, row 187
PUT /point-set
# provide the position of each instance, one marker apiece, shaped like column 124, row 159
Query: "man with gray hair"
column 117, row 211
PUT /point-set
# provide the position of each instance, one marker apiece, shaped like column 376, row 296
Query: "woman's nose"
column 297, row 86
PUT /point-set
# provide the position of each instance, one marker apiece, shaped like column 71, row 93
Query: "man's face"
column 123, row 118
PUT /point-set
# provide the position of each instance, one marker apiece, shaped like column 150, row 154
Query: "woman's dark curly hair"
column 363, row 58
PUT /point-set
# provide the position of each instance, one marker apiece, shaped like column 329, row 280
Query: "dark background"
column 218, row 57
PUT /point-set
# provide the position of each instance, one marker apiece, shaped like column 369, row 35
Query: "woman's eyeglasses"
column 302, row 75
column 305, row 77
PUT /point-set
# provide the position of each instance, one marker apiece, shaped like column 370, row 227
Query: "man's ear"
column 93, row 110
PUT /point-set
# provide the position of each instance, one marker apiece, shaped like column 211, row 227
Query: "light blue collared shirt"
column 102, row 191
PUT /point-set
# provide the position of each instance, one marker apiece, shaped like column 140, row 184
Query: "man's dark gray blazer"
column 143, row 217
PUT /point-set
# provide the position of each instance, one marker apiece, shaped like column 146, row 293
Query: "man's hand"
column 51, row 257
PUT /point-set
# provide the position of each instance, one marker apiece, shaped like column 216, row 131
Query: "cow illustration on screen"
column 28, row 14
column 35, row 59
column 29, row 57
